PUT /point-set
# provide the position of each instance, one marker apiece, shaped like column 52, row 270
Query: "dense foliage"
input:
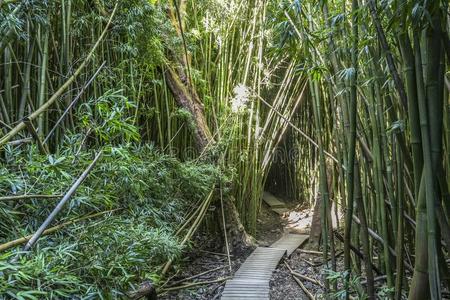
column 143, row 194
column 342, row 101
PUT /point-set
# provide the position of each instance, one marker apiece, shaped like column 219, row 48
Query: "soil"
column 270, row 228
column 284, row 287
column 199, row 261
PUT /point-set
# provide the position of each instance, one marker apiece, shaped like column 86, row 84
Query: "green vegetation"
column 140, row 194
column 192, row 104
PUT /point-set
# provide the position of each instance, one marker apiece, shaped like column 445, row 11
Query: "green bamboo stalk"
column 8, row 84
column 59, row 92
column 364, row 234
column 351, row 146
column 425, row 269
column 324, row 193
column 400, row 237
column 42, row 78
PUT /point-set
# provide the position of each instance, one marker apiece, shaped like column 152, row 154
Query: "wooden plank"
column 272, row 201
column 252, row 279
column 290, row 242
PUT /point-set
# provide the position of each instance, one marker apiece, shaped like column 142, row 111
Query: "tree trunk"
column 188, row 99
column 239, row 240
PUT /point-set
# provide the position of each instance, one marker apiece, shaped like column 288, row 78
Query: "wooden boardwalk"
column 290, row 242
column 252, row 279
column 274, row 204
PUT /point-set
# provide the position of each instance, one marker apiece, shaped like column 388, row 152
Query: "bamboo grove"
column 379, row 89
column 83, row 76
column 352, row 94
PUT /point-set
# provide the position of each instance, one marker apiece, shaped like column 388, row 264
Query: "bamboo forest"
column 225, row 149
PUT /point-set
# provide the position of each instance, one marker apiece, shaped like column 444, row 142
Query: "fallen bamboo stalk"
column 66, row 84
column 61, row 203
column 305, row 290
column 310, row 252
column 169, row 279
column 336, row 256
column 53, row 229
column 192, row 284
column 26, row 197
column 195, row 276
column 214, row 253
column 302, row 286
column 303, row 276
column 307, row 279
column 314, row 265
column 20, row 141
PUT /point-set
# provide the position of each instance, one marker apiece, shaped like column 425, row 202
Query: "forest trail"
column 252, row 279
column 192, row 109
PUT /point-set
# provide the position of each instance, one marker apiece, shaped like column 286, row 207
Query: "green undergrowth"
column 145, row 195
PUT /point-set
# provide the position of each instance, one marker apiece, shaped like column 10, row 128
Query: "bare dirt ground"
column 198, row 265
column 284, row 287
column 270, row 228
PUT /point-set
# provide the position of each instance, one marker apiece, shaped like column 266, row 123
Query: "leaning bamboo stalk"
column 225, row 230
column 191, row 215
column 51, row 230
column 26, row 197
column 301, row 132
column 60, row 205
column 35, row 136
column 60, row 91
column 193, row 228
column 74, row 101
column 356, row 251
column 390, row 60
